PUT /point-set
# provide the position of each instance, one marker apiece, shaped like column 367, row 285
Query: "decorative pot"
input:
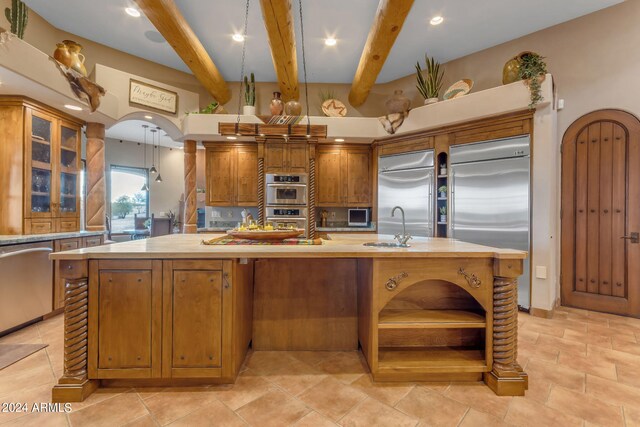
column 249, row 110
column 429, row 101
column 398, row 103
column 77, row 59
column 443, row 218
column 443, row 195
column 62, row 55
column 293, row 108
column 511, row 68
column 443, row 170
column 276, row 106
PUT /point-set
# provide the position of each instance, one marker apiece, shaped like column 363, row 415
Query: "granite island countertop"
column 14, row 239
column 189, row 246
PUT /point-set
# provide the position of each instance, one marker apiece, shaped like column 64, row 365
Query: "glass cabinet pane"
column 68, row 192
column 68, row 146
column 40, row 129
column 40, row 140
column 40, row 190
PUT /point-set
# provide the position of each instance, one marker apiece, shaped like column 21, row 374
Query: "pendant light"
column 153, row 169
column 159, row 177
column 304, row 71
column 145, row 187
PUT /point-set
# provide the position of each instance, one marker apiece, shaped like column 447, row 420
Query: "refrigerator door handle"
column 452, row 201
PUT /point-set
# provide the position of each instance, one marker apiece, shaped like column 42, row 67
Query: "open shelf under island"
column 170, row 311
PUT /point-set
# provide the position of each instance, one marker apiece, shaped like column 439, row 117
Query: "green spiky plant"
column 250, row 91
column 329, row 94
column 429, row 86
column 532, row 68
column 443, row 210
column 18, row 17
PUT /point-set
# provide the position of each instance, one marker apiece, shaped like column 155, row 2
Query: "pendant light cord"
column 244, row 50
column 304, row 70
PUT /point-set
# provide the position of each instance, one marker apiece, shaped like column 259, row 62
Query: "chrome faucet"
column 404, row 237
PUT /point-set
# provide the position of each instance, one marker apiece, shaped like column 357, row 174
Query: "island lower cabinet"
column 154, row 322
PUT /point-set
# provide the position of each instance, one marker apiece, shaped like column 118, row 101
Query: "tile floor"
column 584, row 370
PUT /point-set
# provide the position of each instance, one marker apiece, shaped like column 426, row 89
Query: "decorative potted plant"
column 443, row 191
column 213, row 108
column 18, row 17
column 532, row 70
column 249, row 108
column 443, row 214
column 429, row 86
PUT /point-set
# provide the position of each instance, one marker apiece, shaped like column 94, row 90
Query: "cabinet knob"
column 139, row 358
column 181, row 357
column 109, row 358
column 210, row 357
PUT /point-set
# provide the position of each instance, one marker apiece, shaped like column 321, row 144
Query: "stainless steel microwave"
column 286, row 189
column 359, row 217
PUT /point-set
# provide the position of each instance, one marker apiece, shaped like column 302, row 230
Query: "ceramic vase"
column 62, row 55
column 293, row 108
column 77, row 59
column 276, row 106
column 398, row 103
column 249, row 110
column 429, row 101
column 511, row 68
column 443, row 218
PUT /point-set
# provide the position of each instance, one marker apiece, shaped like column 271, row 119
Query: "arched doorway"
column 600, row 264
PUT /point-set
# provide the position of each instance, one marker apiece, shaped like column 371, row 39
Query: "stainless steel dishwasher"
column 26, row 283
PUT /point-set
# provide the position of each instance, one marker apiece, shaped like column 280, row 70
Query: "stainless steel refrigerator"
column 490, row 198
column 406, row 180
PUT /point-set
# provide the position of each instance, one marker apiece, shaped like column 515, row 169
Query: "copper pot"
column 293, row 108
column 511, row 68
column 276, row 106
column 62, row 55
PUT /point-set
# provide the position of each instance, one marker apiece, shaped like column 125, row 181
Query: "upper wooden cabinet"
column 232, row 174
column 285, row 157
column 343, row 176
column 40, row 154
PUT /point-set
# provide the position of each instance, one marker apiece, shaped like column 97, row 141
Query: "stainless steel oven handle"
column 282, row 184
column 25, row 251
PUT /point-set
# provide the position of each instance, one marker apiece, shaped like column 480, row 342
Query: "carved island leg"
column 506, row 377
column 312, row 198
column 261, row 207
column 190, row 222
column 74, row 385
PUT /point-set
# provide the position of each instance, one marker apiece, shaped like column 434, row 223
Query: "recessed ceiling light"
column 238, row 37
column 436, row 20
column 231, row 137
column 148, row 117
column 339, row 140
column 73, row 107
column 132, row 11
column 330, row 41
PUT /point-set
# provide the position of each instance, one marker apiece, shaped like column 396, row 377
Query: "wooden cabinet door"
column 329, row 178
column 247, row 176
column 358, row 177
column 296, row 158
column 68, row 166
column 193, row 318
column 40, row 165
column 274, row 157
column 220, row 176
column 125, row 299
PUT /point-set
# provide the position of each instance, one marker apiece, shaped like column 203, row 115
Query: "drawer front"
column 37, row 226
column 67, row 244
column 92, row 241
column 65, row 225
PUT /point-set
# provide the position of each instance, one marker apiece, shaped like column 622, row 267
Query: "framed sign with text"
column 148, row 95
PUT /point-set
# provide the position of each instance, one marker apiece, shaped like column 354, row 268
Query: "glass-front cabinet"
column 52, row 165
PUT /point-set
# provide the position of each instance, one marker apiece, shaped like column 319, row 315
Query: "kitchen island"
column 171, row 311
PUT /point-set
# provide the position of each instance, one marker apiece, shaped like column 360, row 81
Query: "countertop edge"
column 10, row 239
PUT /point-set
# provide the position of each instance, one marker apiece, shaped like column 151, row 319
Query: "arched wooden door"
column 600, row 265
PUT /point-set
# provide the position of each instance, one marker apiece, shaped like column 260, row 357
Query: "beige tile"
column 38, row 419
column 111, row 412
column 529, row 413
column 213, row 414
column 386, row 392
column 628, row 374
column 247, row 388
column 556, row 374
column 28, row 335
column 420, row 403
column 146, row 421
column 632, row 417
column 539, row 389
column 312, row 357
column 527, row 335
column 372, row 413
column 586, row 407
column 332, row 398
column 174, row 403
column 626, row 346
column 147, row 392
column 31, row 371
column 30, row 395
column 624, row 326
column 544, row 327
column 440, row 387
column 295, row 376
column 588, row 365
column 273, row 409
column 562, row 344
column 100, row 395
column 346, row 366
column 478, row 396
column 613, row 356
column 480, row 419
column 314, row 419
column 588, row 338
column 613, row 392
column 528, row 350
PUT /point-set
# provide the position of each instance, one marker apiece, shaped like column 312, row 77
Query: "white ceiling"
column 469, row 26
column 132, row 130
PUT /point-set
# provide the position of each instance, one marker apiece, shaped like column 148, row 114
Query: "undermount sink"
column 385, row 245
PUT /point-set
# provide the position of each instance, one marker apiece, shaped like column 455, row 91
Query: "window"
column 127, row 197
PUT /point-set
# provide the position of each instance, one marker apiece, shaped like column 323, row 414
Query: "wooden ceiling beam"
column 278, row 20
column 388, row 22
column 168, row 20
